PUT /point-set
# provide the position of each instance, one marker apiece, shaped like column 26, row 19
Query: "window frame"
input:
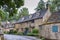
column 55, row 28
column 32, row 21
column 40, row 27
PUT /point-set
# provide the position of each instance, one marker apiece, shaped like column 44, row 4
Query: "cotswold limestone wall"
column 29, row 24
column 37, row 23
column 21, row 26
column 46, row 16
column 17, row 26
column 47, row 32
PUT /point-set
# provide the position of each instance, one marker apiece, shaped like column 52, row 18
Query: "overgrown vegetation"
column 11, row 32
column 9, row 10
column 35, row 32
column 11, row 6
column 42, row 38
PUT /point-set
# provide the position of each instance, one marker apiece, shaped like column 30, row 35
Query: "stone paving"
column 16, row 37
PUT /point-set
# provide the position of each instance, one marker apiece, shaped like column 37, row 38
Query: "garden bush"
column 42, row 38
column 12, row 32
column 34, row 32
column 6, row 32
column 30, row 34
column 19, row 33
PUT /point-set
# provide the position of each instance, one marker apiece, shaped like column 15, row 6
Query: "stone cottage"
column 48, row 23
column 33, row 20
column 51, row 28
column 6, row 26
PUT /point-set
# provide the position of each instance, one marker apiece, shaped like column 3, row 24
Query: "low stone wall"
column 1, row 37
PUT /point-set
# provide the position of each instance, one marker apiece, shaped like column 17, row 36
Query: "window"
column 33, row 27
column 22, row 29
column 40, row 26
column 55, row 28
column 32, row 21
column 23, row 18
column 30, row 16
column 37, row 14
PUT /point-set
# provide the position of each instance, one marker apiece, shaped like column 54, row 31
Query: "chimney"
column 47, row 5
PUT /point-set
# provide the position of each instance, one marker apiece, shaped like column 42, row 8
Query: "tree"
column 23, row 12
column 2, row 16
column 52, row 5
column 41, row 5
column 15, row 17
column 55, row 5
column 11, row 6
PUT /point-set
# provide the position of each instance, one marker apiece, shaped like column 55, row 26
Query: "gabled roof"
column 55, row 17
column 36, row 15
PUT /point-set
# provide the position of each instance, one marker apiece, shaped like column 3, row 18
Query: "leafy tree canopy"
column 54, row 5
column 41, row 5
column 2, row 16
column 11, row 6
column 23, row 12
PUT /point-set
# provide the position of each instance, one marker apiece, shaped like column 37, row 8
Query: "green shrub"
column 19, row 33
column 43, row 39
column 30, row 34
column 35, row 31
column 12, row 32
column 5, row 32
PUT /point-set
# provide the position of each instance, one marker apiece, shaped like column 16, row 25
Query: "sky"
column 31, row 5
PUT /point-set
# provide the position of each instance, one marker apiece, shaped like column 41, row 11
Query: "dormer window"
column 32, row 21
column 30, row 16
column 23, row 18
column 37, row 14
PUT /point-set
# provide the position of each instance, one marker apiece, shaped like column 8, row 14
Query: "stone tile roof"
column 7, row 25
column 36, row 15
column 55, row 17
